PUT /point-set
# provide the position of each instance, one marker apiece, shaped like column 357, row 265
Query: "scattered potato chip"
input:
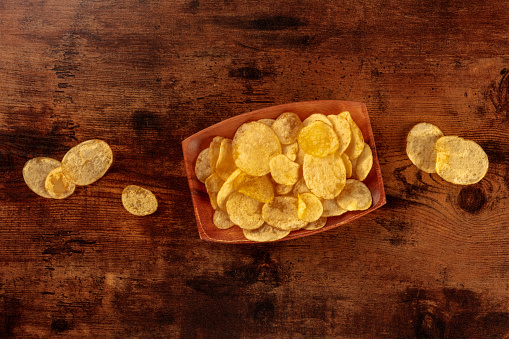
column 202, row 167
column 325, row 176
column 283, row 189
column 258, row 188
column 420, row 146
column 363, row 163
column 214, row 149
column 283, row 170
column 254, row 145
column 356, row 145
column 342, row 128
column 57, row 185
column 348, row 165
column 225, row 164
column 355, row 196
column 316, row 225
column 222, row 220
column 265, row 233
column 226, row 190
column 291, row 150
column 281, row 213
column 244, row 211
column 87, row 162
column 331, row 208
column 213, row 185
column 460, row 161
column 316, row 117
column 267, row 122
column 300, row 187
column 309, row 208
column 35, row 172
column 138, row 200
column 287, row 127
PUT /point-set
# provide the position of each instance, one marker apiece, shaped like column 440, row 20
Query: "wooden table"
column 144, row 75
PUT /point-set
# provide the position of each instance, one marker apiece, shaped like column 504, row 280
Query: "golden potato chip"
column 331, row 208
column 283, row 170
column 420, row 146
column 348, row 165
column 138, row 200
column 300, row 157
column 222, row 220
column 363, row 163
column 318, row 139
column 283, row 189
column 213, row 184
column 267, row 122
column 226, row 190
column 35, row 172
column 57, row 185
column 254, row 144
column 225, row 164
column 287, row 127
column 214, row 149
column 281, row 213
column 342, row 128
column 300, row 187
column 460, row 161
column 258, row 188
column 309, row 208
column 291, row 150
column 316, row 117
column 356, row 145
column 87, row 162
column 355, row 196
column 244, row 211
column 265, row 233
column 325, row 176
column 316, row 225
column 202, row 167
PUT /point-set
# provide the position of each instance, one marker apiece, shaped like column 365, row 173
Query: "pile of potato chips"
column 281, row 175
column 454, row 159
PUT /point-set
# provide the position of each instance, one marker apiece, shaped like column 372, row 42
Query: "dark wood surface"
column 145, row 74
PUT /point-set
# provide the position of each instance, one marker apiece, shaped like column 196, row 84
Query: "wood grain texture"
column 145, row 74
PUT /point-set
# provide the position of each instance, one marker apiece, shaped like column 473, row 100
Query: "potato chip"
column 300, row 157
column 318, row 139
column 226, row 190
column 244, row 211
column 363, row 163
column 214, row 149
column 57, row 185
column 35, row 172
column 325, row 176
column 348, row 164
column 281, row 213
column 225, row 164
column 355, row 196
column 267, row 122
column 343, row 131
column 309, row 208
column 254, row 145
column 316, row 225
column 291, row 150
column 356, row 145
column 87, row 162
column 287, row 127
column 265, row 233
column 222, row 220
column 283, row 170
column 300, row 187
column 258, row 188
column 202, row 167
column 316, row 117
column 213, row 185
column 138, row 200
column 420, row 146
column 460, row 161
column 331, row 208
column 283, row 189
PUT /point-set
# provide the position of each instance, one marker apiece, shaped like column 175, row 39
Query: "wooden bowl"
column 193, row 145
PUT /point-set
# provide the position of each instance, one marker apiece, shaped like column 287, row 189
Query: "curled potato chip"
column 318, row 139
column 283, row 189
column 420, row 146
column 316, row 117
column 213, row 185
column 355, row 196
column 222, row 220
column 363, row 163
column 226, row 190
column 214, row 149
column 309, row 208
column 35, row 172
column 316, row 225
column 281, row 213
column 343, row 131
column 267, row 122
column 348, row 165
column 244, row 211
column 331, row 208
column 254, row 144
column 138, row 200
column 460, row 161
column 225, row 164
column 283, row 170
column 325, row 176
column 356, row 145
column 57, row 185
column 300, row 187
column 265, row 233
column 87, row 162
column 202, row 167
column 291, row 150
column 258, row 188
column 287, row 127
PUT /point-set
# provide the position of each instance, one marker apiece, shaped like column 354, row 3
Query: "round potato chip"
column 283, row 189
column 244, row 211
column 356, row 145
column 310, row 207
column 287, row 127
column 138, row 200
column 87, row 162
column 202, row 167
column 265, row 233
column 325, row 176
column 57, row 185
column 281, row 213
column 316, row 225
column 343, row 131
column 214, row 149
column 420, row 146
column 225, row 164
column 35, row 172
column 355, row 196
column 226, row 190
column 460, row 161
column 316, row 117
column 254, row 144
column 363, row 163
column 331, row 208
column 283, row 170
column 222, row 220
column 348, row 165
column 318, row 139
column 213, row 185
column 291, row 150
column 267, row 122
column 258, row 188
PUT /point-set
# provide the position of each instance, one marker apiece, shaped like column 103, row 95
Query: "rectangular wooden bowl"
column 193, row 145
